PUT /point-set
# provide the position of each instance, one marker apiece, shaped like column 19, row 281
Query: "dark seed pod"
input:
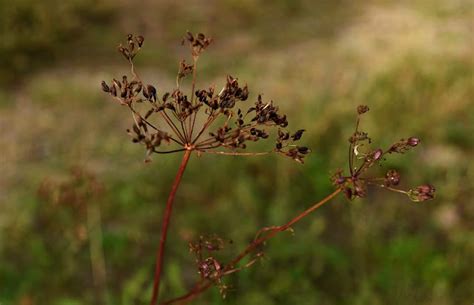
column 298, row 134
column 303, row 150
column 113, row 90
column 361, row 109
column 105, row 87
column 140, row 39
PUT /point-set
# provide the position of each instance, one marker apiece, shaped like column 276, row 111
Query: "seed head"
column 224, row 122
column 361, row 109
column 392, row 178
column 422, row 193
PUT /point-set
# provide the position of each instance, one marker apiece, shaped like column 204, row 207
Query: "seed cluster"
column 208, row 266
column 206, row 119
column 355, row 184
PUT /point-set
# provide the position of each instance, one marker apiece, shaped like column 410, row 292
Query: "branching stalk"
column 165, row 224
column 204, row 284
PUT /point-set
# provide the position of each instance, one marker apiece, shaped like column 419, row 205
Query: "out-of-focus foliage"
column 34, row 33
column 410, row 61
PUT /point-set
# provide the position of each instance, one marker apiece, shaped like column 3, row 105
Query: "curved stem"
column 204, row 284
column 165, row 225
column 281, row 228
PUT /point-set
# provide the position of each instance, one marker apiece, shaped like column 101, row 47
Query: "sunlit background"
column 80, row 211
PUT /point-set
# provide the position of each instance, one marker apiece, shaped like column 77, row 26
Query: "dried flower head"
column 203, row 120
column 209, row 267
column 362, row 158
column 422, row 193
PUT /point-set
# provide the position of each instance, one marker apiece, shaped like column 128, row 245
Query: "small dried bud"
column 140, row 40
column 361, row 109
column 422, row 193
column 149, row 92
column 412, row 141
column 392, row 178
column 377, row 154
column 403, row 145
column 124, row 52
column 105, row 87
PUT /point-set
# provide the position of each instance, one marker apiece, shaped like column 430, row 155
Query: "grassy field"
column 410, row 61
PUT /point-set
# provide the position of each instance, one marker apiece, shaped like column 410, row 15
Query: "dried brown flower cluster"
column 203, row 121
column 354, row 185
column 210, row 267
column 362, row 158
column 190, row 117
column 208, row 121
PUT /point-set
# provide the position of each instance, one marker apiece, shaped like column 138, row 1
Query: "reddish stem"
column 165, row 224
column 204, row 284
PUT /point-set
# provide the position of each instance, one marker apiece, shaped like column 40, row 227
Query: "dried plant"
column 210, row 121
column 202, row 121
column 179, row 112
column 354, row 184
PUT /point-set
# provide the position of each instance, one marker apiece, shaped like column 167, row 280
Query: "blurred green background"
column 410, row 61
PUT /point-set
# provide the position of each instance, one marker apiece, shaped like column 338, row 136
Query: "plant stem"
column 204, row 284
column 165, row 224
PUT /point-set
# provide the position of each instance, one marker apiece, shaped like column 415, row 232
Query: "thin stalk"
column 173, row 126
column 351, row 150
column 205, row 284
column 209, row 121
column 191, row 129
column 165, row 224
column 229, row 153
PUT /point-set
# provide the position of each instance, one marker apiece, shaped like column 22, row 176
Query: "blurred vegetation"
column 410, row 61
column 35, row 33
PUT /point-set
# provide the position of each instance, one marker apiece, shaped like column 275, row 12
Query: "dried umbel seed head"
column 210, row 268
column 197, row 43
column 133, row 46
column 355, row 184
column 361, row 109
column 203, row 120
column 422, row 193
